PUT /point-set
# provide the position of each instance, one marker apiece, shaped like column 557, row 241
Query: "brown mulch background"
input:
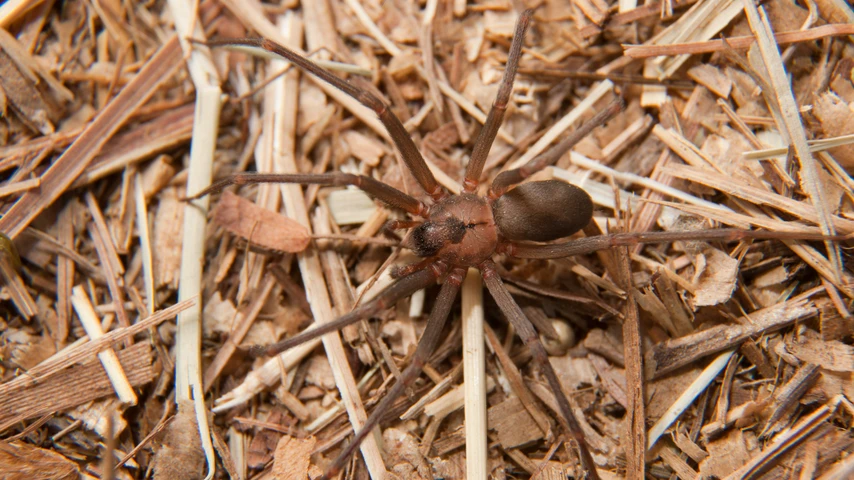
column 741, row 349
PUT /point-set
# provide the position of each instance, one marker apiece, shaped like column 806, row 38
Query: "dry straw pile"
column 124, row 309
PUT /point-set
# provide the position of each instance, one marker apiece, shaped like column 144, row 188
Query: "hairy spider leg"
column 505, row 180
column 435, row 324
column 400, row 289
column 379, row 190
column 499, row 106
column 408, row 151
column 582, row 246
column 528, row 334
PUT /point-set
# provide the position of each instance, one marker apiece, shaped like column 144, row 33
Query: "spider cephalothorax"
column 460, row 229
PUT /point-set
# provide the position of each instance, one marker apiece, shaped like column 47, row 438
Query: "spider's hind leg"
column 525, row 330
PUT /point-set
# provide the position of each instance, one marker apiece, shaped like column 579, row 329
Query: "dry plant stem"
column 435, row 325
column 793, row 124
column 108, row 357
column 145, row 243
column 635, row 414
column 9, row 273
column 696, row 48
column 188, row 370
column 688, row 396
column 499, row 106
column 284, row 161
column 529, row 337
column 755, row 195
column 474, row 375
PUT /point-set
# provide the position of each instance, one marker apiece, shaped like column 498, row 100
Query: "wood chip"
column 292, row 458
column 20, row 461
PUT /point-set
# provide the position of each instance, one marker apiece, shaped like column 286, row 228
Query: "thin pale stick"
column 414, row 161
column 526, row 332
column 505, row 180
column 587, row 245
column 385, row 193
column 499, row 106
column 426, row 345
column 474, row 372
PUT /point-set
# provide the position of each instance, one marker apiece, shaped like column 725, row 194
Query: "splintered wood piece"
column 292, row 458
column 74, row 386
column 830, row 355
column 513, row 424
column 672, row 354
column 20, row 461
column 71, row 164
column 260, row 226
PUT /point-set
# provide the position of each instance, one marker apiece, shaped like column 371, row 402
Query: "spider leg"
column 387, row 194
column 402, row 288
column 499, row 106
column 586, row 245
column 435, row 324
column 411, row 156
column 529, row 336
column 505, row 180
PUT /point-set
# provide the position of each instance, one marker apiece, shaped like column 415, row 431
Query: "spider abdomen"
column 542, row 211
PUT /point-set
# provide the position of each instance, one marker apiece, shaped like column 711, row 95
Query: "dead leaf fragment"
column 259, row 225
column 181, row 455
column 292, row 458
column 836, row 119
column 716, row 282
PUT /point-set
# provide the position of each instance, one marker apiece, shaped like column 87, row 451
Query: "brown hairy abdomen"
column 542, row 211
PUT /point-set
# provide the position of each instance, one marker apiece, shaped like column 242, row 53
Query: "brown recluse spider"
column 461, row 231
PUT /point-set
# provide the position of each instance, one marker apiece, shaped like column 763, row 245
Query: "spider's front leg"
column 529, row 336
column 385, row 193
column 397, row 132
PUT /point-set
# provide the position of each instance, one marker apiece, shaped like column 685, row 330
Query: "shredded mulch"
column 127, row 312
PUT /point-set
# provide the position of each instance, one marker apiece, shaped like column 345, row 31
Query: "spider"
column 454, row 232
